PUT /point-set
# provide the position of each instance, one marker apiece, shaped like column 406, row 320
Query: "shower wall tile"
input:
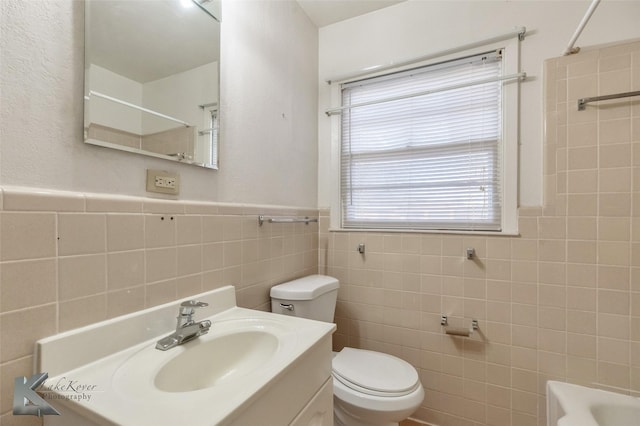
column 615, row 180
column 582, row 134
column 578, row 86
column 614, row 131
column 581, row 158
column 615, row 81
column 612, row 63
column 582, row 68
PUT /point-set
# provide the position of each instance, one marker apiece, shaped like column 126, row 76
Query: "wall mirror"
column 152, row 78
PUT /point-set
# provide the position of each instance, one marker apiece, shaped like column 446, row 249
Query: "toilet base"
column 342, row 418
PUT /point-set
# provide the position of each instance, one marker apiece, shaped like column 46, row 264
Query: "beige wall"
column 562, row 301
column 72, row 259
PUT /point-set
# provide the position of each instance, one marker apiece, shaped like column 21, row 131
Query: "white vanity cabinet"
column 319, row 411
column 251, row 368
column 303, row 396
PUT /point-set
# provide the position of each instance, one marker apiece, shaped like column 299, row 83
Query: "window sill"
column 428, row 231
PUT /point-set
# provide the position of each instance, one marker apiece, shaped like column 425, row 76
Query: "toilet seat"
column 374, row 373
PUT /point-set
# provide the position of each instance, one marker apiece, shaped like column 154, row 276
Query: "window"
column 424, row 148
column 207, row 151
column 213, row 136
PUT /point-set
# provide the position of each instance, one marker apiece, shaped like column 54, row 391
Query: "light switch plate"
column 163, row 182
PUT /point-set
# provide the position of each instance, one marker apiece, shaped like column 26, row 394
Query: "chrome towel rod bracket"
column 305, row 220
column 582, row 103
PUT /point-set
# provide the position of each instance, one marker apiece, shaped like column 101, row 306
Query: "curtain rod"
column 570, row 49
column 521, row 75
column 517, row 31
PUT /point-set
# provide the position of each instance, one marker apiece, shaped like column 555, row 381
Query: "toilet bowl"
column 369, row 388
column 373, row 388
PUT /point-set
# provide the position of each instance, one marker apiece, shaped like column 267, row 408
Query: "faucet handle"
column 188, row 307
column 194, row 304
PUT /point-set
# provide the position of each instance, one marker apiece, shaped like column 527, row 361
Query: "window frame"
column 211, row 124
column 508, row 157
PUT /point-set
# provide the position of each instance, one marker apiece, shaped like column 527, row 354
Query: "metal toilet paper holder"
column 458, row 331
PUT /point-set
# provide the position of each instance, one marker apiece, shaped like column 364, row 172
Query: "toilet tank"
column 312, row 297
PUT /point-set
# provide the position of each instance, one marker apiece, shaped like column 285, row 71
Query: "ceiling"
column 148, row 40
column 326, row 12
column 140, row 40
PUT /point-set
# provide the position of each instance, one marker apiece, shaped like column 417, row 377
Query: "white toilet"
column 369, row 388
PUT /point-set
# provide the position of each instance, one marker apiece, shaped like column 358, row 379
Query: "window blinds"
column 424, row 162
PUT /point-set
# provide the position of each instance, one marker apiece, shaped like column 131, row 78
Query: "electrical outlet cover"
column 163, row 182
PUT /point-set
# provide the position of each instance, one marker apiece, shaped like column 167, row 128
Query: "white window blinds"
column 428, row 161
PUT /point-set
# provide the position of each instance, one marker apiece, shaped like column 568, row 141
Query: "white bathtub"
column 573, row 405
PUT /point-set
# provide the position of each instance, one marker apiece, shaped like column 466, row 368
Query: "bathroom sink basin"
column 233, row 351
column 220, row 359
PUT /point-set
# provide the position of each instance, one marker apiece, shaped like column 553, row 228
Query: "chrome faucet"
column 186, row 329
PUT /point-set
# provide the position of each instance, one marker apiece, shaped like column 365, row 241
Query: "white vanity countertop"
column 105, row 386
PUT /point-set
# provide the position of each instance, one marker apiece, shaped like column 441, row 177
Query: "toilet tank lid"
column 305, row 288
